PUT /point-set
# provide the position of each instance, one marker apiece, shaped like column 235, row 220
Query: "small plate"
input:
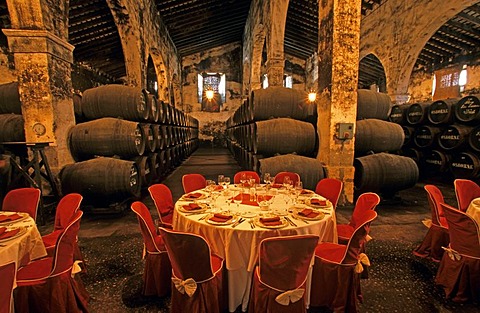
column 248, row 214
column 260, row 224
column 230, row 221
column 22, row 231
column 24, row 216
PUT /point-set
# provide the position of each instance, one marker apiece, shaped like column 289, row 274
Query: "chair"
column 237, row 177
column 192, row 182
column 337, row 268
column 47, row 284
column 197, row 282
column 157, row 271
column 330, row 188
column 7, row 272
column 459, row 270
column 281, row 175
column 22, row 200
column 279, row 278
column 437, row 234
column 163, row 200
column 465, row 191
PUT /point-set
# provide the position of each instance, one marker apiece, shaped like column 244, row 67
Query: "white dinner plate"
column 22, row 231
column 229, row 222
column 260, row 224
column 320, row 215
column 24, row 216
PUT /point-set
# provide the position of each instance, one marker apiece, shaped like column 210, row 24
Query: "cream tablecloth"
column 474, row 210
column 239, row 246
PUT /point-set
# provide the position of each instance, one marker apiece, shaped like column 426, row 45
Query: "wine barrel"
column 384, row 172
column 467, row 110
column 372, row 104
column 413, row 154
column 11, row 128
column 102, row 178
column 154, row 112
column 276, row 101
column 435, row 161
column 474, row 139
column 144, row 170
column 398, row 113
column 373, row 135
column 155, row 166
column 10, row 99
column 442, row 111
column 282, row 136
column 425, row 136
column 465, row 165
column 126, row 102
column 408, row 133
column 107, row 137
column 150, row 140
column 416, row 113
column 453, row 136
column 310, row 169
column 77, row 105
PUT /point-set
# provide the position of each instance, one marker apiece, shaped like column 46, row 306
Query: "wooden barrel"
column 384, row 172
column 150, row 140
column 474, row 139
column 408, row 133
column 373, row 135
column 467, row 110
column 372, row 104
column 416, row 113
column 310, row 169
column 11, row 128
column 398, row 113
column 414, row 154
column 155, row 166
column 102, row 178
column 126, row 102
column 435, row 161
column 465, row 165
column 453, row 136
column 276, row 101
column 10, row 99
column 442, row 111
column 77, row 105
column 282, row 136
column 107, row 137
column 144, row 170
column 154, row 112
column 425, row 136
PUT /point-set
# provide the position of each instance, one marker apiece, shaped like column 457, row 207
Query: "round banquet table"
column 238, row 245
column 474, row 210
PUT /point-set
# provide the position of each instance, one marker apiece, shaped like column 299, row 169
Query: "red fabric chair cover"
column 7, row 273
column 281, row 175
column 336, row 271
column 192, row 182
column 47, row 285
column 196, row 271
column 237, row 177
column 459, row 270
column 281, row 274
column 330, row 188
column 465, row 191
column 22, row 200
column 437, row 234
column 158, row 271
column 163, row 200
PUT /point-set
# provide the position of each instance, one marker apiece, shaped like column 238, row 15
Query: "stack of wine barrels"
column 127, row 140
column 442, row 137
column 11, row 119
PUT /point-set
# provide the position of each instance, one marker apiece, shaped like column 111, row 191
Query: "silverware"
column 238, row 222
column 290, row 221
column 252, row 225
column 203, row 217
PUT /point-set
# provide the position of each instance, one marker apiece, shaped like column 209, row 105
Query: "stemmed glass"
column 287, row 182
column 226, row 182
column 243, row 179
column 267, row 179
column 220, row 179
column 238, row 199
column 298, row 190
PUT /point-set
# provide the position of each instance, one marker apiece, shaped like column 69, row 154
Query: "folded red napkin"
column 277, row 185
column 245, row 199
column 318, row 202
column 308, row 213
column 218, row 188
column 9, row 217
column 2, row 230
column 270, row 221
column 8, row 234
column 193, row 195
column 192, row 207
column 220, row 218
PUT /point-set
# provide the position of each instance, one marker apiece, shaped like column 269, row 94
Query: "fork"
column 252, row 225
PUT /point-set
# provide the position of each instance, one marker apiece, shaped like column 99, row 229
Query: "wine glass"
column 267, row 178
column 220, row 179
column 226, row 182
column 243, row 179
column 287, row 182
column 238, row 199
column 298, row 190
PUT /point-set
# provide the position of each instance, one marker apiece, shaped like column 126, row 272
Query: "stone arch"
column 161, row 74
column 371, row 71
column 256, row 60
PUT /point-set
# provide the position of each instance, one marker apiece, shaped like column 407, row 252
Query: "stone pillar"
column 275, row 71
column 43, row 66
column 338, row 53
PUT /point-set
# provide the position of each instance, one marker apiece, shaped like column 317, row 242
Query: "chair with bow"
column 437, row 234
column 7, row 273
column 330, row 188
column 48, row 284
column 192, row 182
column 163, row 200
column 279, row 178
column 337, row 269
column 459, row 270
column 197, row 282
column 465, row 191
column 279, row 279
column 157, row 271
column 237, row 178
column 24, row 200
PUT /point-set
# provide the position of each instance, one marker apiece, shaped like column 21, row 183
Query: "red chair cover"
column 163, row 200
column 158, row 271
column 437, row 234
column 459, row 270
column 281, row 175
column 47, row 285
column 330, row 188
column 337, row 268
column 237, row 177
column 7, row 273
column 22, row 200
column 192, row 182
column 281, row 274
column 465, row 191
column 197, row 280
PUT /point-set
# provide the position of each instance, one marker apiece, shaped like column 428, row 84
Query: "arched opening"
column 371, row 74
column 152, row 81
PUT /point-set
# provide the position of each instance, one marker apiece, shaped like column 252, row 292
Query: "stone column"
column 338, row 54
column 275, row 71
column 43, row 66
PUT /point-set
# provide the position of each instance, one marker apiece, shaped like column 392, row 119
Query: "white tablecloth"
column 239, row 246
column 474, row 210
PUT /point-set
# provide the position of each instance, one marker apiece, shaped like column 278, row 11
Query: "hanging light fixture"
column 209, row 94
column 312, row 96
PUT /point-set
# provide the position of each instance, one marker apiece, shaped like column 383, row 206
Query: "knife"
column 290, row 221
column 238, row 222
